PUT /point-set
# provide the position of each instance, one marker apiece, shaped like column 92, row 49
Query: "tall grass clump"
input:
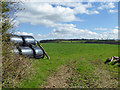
column 14, row 67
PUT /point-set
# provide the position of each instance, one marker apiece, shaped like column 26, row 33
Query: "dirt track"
column 59, row 79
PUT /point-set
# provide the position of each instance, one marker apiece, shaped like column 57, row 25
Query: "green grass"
column 88, row 57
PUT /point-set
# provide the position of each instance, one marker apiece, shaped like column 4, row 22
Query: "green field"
column 85, row 60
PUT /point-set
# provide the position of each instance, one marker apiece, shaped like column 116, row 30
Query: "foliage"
column 14, row 67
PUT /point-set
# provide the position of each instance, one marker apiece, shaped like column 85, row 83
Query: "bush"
column 14, row 67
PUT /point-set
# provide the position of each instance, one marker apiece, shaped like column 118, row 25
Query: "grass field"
column 84, row 61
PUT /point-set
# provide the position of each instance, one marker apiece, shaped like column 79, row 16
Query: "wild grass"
column 89, row 57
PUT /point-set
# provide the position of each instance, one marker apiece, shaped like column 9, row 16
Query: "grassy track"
column 89, row 60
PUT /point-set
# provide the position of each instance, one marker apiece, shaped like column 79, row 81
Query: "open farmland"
column 74, row 65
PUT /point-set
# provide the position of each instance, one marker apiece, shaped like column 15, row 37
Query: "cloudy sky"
column 68, row 20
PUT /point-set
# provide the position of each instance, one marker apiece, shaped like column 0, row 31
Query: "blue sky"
column 96, row 20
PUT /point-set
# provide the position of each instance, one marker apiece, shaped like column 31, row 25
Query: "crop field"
column 74, row 65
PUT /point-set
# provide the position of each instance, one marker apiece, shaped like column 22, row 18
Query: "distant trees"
column 109, row 41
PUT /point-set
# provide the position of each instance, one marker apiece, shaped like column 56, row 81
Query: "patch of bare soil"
column 105, row 79
column 58, row 80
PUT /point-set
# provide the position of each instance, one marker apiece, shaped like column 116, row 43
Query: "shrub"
column 14, row 67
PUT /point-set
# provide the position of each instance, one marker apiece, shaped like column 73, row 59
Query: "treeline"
column 107, row 41
column 52, row 41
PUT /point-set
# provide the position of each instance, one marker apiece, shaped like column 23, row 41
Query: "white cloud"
column 73, row 32
column 112, row 34
column 102, row 29
column 79, row 8
column 24, row 33
column 69, row 31
column 115, row 31
column 49, row 16
column 116, row 27
column 94, row 12
column 113, row 11
column 106, row 6
column 45, row 14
